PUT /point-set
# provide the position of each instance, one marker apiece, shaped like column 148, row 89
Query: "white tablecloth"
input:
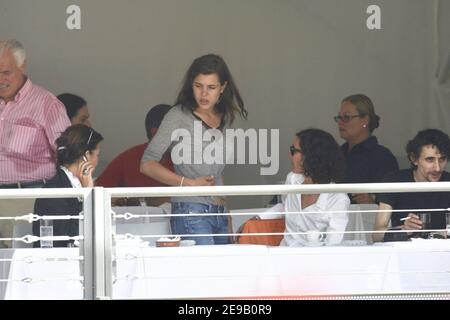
column 247, row 270
column 52, row 274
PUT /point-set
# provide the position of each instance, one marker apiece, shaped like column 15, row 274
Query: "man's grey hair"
column 16, row 48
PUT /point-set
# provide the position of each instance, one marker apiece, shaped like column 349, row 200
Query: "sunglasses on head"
column 293, row 150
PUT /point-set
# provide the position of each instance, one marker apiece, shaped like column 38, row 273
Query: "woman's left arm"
column 338, row 219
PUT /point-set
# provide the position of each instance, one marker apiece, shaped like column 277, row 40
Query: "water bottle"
column 46, row 230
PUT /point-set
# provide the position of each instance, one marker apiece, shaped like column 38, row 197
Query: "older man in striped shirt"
column 31, row 118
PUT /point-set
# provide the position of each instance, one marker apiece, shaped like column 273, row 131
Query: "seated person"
column 124, row 171
column 366, row 160
column 316, row 159
column 77, row 156
column 428, row 154
column 76, row 108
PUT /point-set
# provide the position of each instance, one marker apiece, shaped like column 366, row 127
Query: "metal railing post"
column 99, row 245
column 87, row 229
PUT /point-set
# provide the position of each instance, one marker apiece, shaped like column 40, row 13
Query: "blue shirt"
column 415, row 200
column 368, row 162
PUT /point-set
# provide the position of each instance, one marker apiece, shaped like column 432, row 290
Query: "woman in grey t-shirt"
column 208, row 101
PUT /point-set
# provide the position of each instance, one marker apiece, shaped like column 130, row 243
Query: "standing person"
column 209, row 99
column 428, row 153
column 31, row 118
column 76, row 108
column 367, row 161
column 78, row 154
column 124, row 170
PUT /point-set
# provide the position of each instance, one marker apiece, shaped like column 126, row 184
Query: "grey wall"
column 293, row 60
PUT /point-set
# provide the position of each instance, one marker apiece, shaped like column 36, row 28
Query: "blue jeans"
column 199, row 224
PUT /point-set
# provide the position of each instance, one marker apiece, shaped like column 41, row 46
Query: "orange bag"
column 262, row 226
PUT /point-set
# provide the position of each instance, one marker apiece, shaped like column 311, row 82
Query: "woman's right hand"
column 201, row 181
column 85, row 169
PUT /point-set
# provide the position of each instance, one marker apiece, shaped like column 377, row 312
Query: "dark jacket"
column 58, row 206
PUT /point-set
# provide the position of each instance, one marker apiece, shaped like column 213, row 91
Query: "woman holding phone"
column 77, row 156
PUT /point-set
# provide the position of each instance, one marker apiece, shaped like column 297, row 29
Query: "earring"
column 364, row 125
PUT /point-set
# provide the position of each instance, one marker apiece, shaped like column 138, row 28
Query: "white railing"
column 85, row 232
column 109, row 193
column 97, row 228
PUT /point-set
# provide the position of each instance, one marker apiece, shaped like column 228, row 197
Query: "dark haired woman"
column 209, row 99
column 367, row 161
column 76, row 108
column 78, row 153
column 316, row 159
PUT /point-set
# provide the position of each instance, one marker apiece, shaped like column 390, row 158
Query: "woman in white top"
column 316, row 158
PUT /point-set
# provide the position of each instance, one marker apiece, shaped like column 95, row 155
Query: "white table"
column 246, row 270
column 48, row 273
column 251, row 270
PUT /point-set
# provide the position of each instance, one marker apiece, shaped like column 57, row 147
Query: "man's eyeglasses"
column 293, row 150
column 346, row 117
column 90, row 136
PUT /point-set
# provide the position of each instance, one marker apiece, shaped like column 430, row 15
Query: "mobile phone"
column 85, row 159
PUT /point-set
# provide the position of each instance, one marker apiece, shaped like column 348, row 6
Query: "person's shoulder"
column 130, row 154
column 134, row 150
column 177, row 110
column 381, row 149
column 176, row 113
column 49, row 102
column 398, row 176
column 44, row 93
column 328, row 201
column 59, row 180
column 340, row 197
column 445, row 176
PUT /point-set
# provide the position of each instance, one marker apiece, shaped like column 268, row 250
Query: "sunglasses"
column 293, row 150
column 346, row 118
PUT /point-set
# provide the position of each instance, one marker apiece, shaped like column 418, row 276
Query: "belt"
column 19, row 185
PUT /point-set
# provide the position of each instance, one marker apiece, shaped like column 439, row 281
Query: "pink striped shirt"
column 29, row 126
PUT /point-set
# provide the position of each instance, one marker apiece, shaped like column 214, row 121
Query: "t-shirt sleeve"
column 388, row 198
column 162, row 139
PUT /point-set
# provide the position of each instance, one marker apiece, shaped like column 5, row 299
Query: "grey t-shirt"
column 181, row 132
